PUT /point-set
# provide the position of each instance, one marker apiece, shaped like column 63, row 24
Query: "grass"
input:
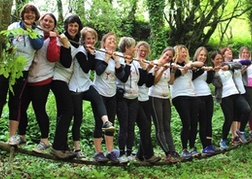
column 233, row 164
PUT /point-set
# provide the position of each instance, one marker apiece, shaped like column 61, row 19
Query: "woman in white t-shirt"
column 127, row 103
column 160, row 103
column 185, row 100
column 201, row 79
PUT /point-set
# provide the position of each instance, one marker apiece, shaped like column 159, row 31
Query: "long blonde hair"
column 244, row 48
column 178, row 49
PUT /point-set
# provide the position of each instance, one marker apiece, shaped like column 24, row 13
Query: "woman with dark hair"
column 227, row 94
column 62, row 74
column 25, row 46
column 39, row 81
column 238, row 135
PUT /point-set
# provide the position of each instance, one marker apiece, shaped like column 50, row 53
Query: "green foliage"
column 104, row 17
column 11, row 64
column 158, row 40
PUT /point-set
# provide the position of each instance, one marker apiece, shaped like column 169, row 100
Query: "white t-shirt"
column 105, row 83
column 238, row 81
column 161, row 89
column 131, row 85
column 62, row 73
column 228, row 85
column 201, row 86
column 79, row 81
column 183, row 86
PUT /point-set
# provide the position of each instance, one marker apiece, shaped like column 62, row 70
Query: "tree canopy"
column 160, row 22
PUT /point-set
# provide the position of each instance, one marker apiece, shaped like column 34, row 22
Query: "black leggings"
column 126, row 113
column 16, row 98
column 234, row 106
column 64, row 113
column 143, row 121
column 98, row 108
column 111, row 105
column 38, row 96
column 3, row 92
column 187, row 108
column 206, row 106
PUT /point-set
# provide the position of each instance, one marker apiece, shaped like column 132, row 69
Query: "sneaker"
column 215, row 148
column 63, row 154
column 131, row 157
column 14, row 140
column 79, row 155
column 117, row 152
column 236, row 141
column 108, row 126
column 194, row 152
column 241, row 136
column 208, row 150
column 123, row 159
column 112, row 157
column 250, row 136
column 185, row 154
column 99, row 157
column 223, row 144
column 153, row 159
column 41, row 147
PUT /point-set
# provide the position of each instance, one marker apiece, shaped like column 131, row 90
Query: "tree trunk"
column 158, row 39
column 60, row 12
column 5, row 12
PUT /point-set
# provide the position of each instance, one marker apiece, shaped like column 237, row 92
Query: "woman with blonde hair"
column 201, row 79
column 185, row 100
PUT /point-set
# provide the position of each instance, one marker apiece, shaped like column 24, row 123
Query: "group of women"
column 125, row 85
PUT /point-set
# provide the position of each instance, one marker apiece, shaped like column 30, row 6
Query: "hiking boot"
column 139, row 159
column 236, row 141
column 194, row 152
column 99, row 157
column 63, row 154
column 208, row 150
column 79, row 155
column 223, row 144
column 153, row 159
column 14, row 140
column 123, row 159
column 185, row 154
column 108, row 126
column 241, row 136
column 41, row 147
column 176, row 155
column 112, row 157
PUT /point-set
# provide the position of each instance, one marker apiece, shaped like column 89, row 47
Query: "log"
column 8, row 148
